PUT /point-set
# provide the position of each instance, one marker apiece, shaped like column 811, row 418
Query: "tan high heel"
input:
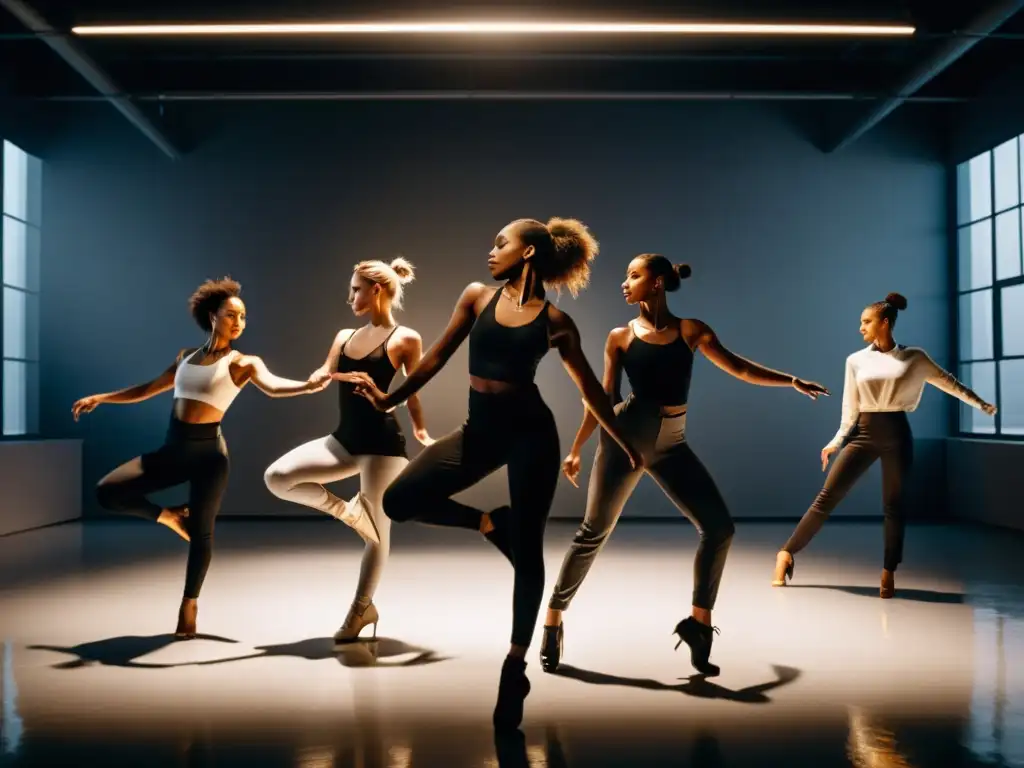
column 355, row 513
column 354, row 623
column 888, row 586
column 784, row 565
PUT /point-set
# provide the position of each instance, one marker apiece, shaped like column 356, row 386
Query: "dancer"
column 656, row 351
column 366, row 441
column 510, row 329
column 205, row 381
column 883, row 383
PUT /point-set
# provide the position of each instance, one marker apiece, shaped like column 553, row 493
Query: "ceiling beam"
column 983, row 25
column 78, row 60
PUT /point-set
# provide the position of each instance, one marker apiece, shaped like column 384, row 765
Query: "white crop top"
column 892, row 381
column 210, row 384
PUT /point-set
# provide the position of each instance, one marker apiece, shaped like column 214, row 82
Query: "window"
column 990, row 287
column 22, row 216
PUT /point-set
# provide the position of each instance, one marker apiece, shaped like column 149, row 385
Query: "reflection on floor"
column 821, row 673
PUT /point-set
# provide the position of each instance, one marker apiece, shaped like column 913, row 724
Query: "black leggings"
column 884, row 436
column 514, row 429
column 192, row 453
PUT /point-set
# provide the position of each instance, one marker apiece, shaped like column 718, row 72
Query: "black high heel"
column 552, row 647
column 513, row 688
column 498, row 535
column 699, row 637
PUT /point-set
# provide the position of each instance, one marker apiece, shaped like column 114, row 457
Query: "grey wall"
column 42, row 482
column 985, row 481
column 787, row 245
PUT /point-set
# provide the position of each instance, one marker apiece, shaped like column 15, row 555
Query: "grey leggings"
column 682, row 477
column 299, row 476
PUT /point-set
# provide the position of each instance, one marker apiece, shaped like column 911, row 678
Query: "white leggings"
column 299, row 476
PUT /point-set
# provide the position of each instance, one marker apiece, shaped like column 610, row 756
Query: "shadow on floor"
column 119, row 651
column 695, row 685
column 915, row 595
column 380, row 652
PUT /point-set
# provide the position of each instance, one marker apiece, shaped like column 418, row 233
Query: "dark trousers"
column 683, row 478
column 516, row 430
column 192, row 453
column 884, row 436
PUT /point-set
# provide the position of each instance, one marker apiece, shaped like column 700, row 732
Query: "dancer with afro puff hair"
column 205, row 380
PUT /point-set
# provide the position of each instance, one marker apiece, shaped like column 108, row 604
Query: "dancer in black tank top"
column 367, row 442
column 656, row 352
column 510, row 329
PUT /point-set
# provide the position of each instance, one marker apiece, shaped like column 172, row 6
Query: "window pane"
column 1011, row 395
column 22, row 185
column 974, row 189
column 21, row 246
column 974, row 254
column 975, row 321
column 21, row 324
column 1012, row 299
column 981, row 377
column 1007, row 176
column 20, row 398
column 1008, row 243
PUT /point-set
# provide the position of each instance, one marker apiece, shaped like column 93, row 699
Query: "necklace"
column 517, row 307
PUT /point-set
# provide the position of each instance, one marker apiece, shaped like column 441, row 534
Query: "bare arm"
column 251, row 368
column 566, row 339
column 135, row 394
column 612, row 387
column 334, row 353
column 706, row 340
column 440, row 352
column 412, row 353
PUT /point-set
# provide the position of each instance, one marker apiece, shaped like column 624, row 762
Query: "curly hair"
column 391, row 277
column 209, row 296
column 890, row 307
column 564, row 249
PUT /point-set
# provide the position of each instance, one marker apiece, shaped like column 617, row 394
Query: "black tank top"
column 501, row 353
column 658, row 373
column 377, row 364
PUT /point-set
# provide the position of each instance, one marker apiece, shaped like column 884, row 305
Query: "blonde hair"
column 391, row 277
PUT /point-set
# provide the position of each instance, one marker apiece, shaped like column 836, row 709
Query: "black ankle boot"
column 698, row 636
column 513, row 688
column 499, row 536
column 552, row 647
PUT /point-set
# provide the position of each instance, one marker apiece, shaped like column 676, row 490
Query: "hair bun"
column 403, row 268
column 897, row 300
column 682, row 270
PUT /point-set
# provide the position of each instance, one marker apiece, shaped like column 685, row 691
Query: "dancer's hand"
column 370, row 391
column 988, row 409
column 423, row 436
column 571, row 468
column 85, row 405
column 826, row 454
column 319, row 379
column 810, row 388
column 635, row 457
column 353, row 377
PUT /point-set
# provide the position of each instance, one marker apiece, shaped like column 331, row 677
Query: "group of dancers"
column 510, row 329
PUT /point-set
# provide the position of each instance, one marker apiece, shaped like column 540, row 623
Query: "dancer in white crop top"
column 206, row 382
column 883, row 383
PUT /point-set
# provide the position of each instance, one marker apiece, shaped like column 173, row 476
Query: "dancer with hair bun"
column 367, row 442
column 883, row 383
column 205, row 381
column 510, row 328
column 656, row 352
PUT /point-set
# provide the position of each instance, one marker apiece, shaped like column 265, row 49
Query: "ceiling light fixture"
column 495, row 28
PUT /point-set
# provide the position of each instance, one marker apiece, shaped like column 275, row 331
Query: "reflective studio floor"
column 821, row 673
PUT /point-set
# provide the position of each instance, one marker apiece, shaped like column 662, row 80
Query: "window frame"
column 996, row 287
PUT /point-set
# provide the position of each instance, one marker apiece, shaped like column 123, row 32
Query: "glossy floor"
column 821, row 673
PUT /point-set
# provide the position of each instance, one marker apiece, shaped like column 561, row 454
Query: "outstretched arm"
column 747, row 370
column 252, row 368
column 135, row 394
column 333, row 354
column 437, row 356
column 942, row 379
column 566, row 339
